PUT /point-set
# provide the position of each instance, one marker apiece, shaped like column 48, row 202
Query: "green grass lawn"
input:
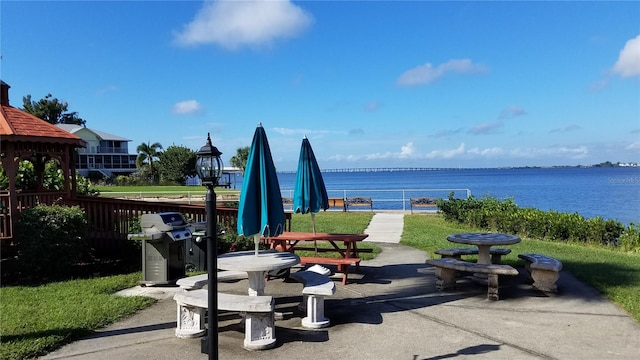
column 35, row 320
column 111, row 191
column 615, row 274
column 335, row 222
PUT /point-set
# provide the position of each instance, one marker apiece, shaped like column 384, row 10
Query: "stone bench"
column 258, row 316
column 456, row 253
column 543, row 270
column 199, row 281
column 316, row 287
column 342, row 264
column 447, row 268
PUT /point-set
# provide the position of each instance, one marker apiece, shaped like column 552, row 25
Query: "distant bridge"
column 348, row 170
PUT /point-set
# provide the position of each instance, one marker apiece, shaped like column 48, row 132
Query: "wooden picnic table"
column 345, row 244
column 289, row 240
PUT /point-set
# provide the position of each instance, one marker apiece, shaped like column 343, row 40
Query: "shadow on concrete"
column 471, row 350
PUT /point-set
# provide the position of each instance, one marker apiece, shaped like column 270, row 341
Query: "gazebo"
column 26, row 137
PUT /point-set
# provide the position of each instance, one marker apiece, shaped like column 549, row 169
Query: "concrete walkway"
column 385, row 228
column 391, row 310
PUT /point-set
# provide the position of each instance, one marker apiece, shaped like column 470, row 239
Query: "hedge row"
column 505, row 216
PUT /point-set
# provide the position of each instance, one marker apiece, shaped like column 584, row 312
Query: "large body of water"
column 611, row 193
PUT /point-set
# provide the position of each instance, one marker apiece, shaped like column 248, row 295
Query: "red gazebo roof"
column 17, row 125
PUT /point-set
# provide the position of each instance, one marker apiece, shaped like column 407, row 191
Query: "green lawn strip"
column 174, row 190
column 613, row 273
column 37, row 320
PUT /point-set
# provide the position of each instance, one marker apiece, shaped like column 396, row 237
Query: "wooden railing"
column 6, row 227
column 111, row 220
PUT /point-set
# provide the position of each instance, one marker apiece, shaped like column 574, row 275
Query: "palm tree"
column 147, row 153
column 239, row 160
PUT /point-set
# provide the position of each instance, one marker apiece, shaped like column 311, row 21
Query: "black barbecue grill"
column 163, row 258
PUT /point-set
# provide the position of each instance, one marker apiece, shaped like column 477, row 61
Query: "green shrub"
column 84, row 186
column 491, row 214
column 630, row 238
column 51, row 240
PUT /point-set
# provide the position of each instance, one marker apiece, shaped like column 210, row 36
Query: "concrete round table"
column 257, row 266
column 484, row 242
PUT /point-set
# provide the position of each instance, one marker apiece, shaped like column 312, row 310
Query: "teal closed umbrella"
column 260, row 210
column 309, row 192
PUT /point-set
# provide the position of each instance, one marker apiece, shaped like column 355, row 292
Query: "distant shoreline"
column 394, row 169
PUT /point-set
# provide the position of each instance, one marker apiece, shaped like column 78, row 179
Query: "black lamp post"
column 209, row 169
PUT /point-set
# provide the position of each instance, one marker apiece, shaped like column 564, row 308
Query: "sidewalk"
column 391, row 310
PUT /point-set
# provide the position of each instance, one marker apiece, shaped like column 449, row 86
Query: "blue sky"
column 370, row 83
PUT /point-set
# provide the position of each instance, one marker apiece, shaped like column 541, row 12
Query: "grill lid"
column 163, row 222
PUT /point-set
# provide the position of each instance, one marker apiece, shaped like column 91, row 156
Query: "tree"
column 147, row 153
column 239, row 160
column 177, row 163
column 51, row 110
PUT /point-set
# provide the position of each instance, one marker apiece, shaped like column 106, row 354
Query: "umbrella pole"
column 256, row 240
column 313, row 226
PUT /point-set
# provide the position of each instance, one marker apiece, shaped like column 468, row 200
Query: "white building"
column 106, row 155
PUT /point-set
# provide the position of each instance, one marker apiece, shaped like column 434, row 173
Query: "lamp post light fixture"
column 209, row 169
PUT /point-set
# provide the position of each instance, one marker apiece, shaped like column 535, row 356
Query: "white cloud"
column 427, row 73
column 633, row 146
column 446, row 153
column 574, row 152
column 511, row 112
column 446, row 133
column 107, row 90
column 407, row 150
column 486, row 128
column 599, row 85
column 372, row 106
column 187, row 107
column 232, row 24
column 569, row 128
column 628, row 63
column 577, row 152
column 486, row 152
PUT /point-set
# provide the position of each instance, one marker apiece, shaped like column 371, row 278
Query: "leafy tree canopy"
column 51, row 110
column 239, row 160
column 176, row 164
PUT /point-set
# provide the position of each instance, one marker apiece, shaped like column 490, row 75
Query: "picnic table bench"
column 316, row 287
column 341, row 263
column 199, row 281
column 258, row 316
column 456, row 253
column 447, row 268
column 543, row 270
column 349, row 252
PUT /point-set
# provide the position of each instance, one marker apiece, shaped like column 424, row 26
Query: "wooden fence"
column 110, row 220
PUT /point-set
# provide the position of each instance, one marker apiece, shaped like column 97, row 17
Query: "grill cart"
column 163, row 247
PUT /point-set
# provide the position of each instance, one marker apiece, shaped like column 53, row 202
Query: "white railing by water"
column 394, row 199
